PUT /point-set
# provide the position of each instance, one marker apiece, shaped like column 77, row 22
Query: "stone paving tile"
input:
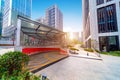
column 73, row 68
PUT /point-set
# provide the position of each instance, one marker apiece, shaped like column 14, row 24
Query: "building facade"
column 54, row 17
column 13, row 8
column 101, row 24
column 1, row 14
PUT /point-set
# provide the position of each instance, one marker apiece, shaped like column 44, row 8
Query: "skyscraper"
column 1, row 14
column 41, row 20
column 101, row 24
column 11, row 10
column 54, row 17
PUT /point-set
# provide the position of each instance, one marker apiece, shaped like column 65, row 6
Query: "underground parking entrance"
column 45, row 45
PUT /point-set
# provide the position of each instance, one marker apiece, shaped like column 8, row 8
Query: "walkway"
column 5, row 49
column 83, row 54
column 73, row 68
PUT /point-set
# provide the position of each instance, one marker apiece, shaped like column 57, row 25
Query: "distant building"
column 101, row 24
column 1, row 14
column 54, row 17
column 41, row 20
column 76, row 35
column 13, row 8
column 81, row 37
column 67, row 37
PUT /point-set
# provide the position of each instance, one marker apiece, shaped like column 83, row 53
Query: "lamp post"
column 13, row 40
column 13, row 36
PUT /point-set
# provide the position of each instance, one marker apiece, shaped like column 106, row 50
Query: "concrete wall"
column 4, row 50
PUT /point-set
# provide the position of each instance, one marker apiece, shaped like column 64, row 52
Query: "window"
column 99, row 2
column 109, row 43
column 108, row 0
column 107, row 19
column 119, row 4
column 101, row 20
column 111, row 18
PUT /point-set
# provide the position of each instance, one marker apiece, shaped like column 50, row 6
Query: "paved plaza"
column 76, row 68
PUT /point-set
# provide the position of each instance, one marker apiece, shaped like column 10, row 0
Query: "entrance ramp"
column 42, row 60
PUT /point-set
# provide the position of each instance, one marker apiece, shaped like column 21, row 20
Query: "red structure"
column 31, row 51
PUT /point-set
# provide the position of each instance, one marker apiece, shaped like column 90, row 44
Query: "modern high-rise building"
column 1, row 14
column 13, row 8
column 101, row 24
column 54, row 17
column 41, row 20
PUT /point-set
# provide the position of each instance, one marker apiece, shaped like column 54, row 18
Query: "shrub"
column 88, row 49
column 74, row 49
column 21, row 76
column 69, row 46
column 12, row 67
column 97, row 51
column 12, row 63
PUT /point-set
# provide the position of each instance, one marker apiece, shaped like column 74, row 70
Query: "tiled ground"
column 73, row 68
column 77, row 68
column 40, row 60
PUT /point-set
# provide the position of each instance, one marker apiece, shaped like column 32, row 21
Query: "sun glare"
column 71, row 35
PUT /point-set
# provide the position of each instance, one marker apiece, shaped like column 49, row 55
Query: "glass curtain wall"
column 109, row 43
column 1, row 14
column 20, row 7
column 107, row 21
column 36, row 34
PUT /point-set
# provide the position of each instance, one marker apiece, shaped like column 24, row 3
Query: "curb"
column 86, row 57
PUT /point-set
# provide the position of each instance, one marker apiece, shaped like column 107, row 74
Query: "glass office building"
column 11, row 10
column 103, row 21
column 54, row 17
column 1, row 14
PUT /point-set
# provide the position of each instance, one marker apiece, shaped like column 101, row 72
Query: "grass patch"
column 113, row 53
column 88, row 49
column 106, row 53
column 97, row 51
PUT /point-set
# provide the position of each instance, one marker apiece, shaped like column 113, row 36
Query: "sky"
column 71, row 9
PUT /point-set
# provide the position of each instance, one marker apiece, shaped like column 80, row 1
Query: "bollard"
column 87, row 54
column 44, row 77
